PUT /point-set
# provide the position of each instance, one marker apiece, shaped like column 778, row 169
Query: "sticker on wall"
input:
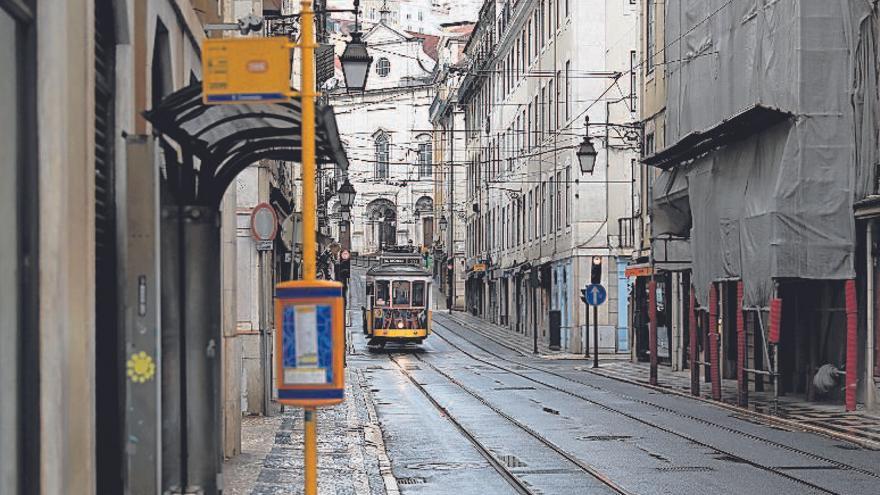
column 141, row 367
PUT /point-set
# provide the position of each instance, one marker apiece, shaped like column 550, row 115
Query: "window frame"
column 382, row 143
column 424, row 286
column 425, row 156
column 395, row 284
column 383, row 68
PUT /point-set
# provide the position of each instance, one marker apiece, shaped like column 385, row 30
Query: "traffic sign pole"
column 587, row 330
column 593, row 295
column 595, row 336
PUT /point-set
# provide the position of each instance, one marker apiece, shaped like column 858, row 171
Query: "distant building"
column 535, row 221
column 389, row 140
column 419, row 16
column 447, row 118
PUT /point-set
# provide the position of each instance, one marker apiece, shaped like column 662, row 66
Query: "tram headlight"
column 399, row 324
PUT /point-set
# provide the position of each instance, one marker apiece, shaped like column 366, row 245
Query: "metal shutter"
column 107, row 330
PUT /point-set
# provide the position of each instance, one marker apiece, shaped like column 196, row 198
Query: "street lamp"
column 346, row 194
column 356, row 63
column 587, row 152
column 443, row 223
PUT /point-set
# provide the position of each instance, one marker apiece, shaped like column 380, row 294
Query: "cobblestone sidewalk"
column 351, row 453
column 829, row 419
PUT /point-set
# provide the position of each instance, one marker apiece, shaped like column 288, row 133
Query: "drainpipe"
column 741, row 377
column 870, row 389
column 713, row 342
column 692, row 327
column 652, row 328
column 852, row 350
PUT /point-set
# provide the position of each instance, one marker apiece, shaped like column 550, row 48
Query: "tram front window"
column 418, row 294
column 401, row 293
column 381, row 293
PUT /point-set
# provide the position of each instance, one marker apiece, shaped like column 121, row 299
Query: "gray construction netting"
column 778, row 203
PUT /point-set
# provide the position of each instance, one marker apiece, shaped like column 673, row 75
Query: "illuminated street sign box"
column 246, row 70
column 310, row 341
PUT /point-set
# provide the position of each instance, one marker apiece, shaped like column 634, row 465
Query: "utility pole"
column 307, row 87
column 450, row 237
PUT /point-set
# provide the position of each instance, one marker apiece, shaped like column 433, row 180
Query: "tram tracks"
column 833, row 464
column 510, row 476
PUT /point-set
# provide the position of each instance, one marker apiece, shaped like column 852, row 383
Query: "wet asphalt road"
column 463, row 415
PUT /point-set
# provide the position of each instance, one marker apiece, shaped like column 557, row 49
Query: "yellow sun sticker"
column 141, row 367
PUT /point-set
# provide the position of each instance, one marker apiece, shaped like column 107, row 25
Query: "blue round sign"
column 595, row 294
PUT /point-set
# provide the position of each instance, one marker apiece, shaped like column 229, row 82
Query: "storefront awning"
column 226, row 139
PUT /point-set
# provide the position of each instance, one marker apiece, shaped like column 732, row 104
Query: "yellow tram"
column 398, row 303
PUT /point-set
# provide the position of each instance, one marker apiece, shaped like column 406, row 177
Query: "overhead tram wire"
column 582, row 112
column 618, row 75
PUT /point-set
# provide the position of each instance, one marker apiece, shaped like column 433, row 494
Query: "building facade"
column 84, row 271
column 447, row 118
column 768, row 177
column 537, row 70
column 389, row 139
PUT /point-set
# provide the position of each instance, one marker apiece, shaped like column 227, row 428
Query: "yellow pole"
column 311, row 453
column 307, row 92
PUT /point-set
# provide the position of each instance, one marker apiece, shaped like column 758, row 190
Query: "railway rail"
column 833, row 464
column 518, row 484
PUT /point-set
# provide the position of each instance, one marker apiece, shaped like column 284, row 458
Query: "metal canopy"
column 216, row 142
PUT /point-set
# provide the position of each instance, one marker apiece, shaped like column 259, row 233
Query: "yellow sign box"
column 480, row 267
column 246, row 70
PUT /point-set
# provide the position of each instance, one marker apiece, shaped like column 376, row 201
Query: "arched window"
column 383, row 155
column 381, row 216
column 426, row 156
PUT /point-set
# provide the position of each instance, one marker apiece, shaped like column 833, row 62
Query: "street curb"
column 375, row 438
column 723, row 405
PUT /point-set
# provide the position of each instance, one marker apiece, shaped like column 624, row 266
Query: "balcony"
column 626, row 232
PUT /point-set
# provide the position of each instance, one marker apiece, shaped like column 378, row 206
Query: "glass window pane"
column 401, row 293
column 418, row 294
column 382, row 293
column 9, row 328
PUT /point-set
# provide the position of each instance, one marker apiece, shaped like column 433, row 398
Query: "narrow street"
column 440, row 247
column 464, row 414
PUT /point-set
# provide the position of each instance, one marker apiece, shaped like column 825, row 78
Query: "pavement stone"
column 349, row 454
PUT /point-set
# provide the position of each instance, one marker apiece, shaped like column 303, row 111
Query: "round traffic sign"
column 264, row 222
column 595, row 294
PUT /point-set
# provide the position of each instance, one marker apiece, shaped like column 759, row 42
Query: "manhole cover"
column 410, row 481
column 445, row 466
column 847, row 447
column 546, row 471
column 606, row 438
column 685, row 469
column 512, row 461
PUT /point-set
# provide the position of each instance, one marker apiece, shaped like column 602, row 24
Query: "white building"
column 538, row 68
column 450, row 154
column 388, row 137
column 415, row 16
